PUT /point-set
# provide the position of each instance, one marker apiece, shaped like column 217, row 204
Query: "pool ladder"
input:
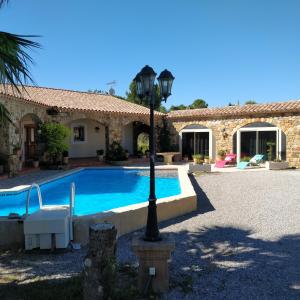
column 71, row 203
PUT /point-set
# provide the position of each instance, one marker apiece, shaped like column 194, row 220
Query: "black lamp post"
column 146, row 91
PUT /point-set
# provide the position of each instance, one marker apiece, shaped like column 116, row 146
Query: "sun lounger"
column 254, row 161
column 230, row 159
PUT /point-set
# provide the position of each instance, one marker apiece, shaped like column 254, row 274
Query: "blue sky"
column 221, row 51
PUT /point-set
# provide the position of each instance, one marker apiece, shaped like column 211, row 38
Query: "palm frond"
column 14, row 59
column 2, row 2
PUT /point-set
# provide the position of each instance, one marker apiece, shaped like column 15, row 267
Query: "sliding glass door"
column 195, row 143
column 259, row 142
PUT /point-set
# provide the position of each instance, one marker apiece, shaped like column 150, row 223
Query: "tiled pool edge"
column 126, row 219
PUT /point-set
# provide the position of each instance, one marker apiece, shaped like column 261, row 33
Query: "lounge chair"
column 230, row 159
column 254, row 161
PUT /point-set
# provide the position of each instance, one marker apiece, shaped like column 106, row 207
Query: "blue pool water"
column 96, row 190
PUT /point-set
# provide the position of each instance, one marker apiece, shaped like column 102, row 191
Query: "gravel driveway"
column 242, row 243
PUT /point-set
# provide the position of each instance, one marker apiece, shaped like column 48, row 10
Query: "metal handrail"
column 34, row 185
column 71, row 212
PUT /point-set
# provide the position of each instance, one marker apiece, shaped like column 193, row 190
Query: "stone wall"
column 288, row 123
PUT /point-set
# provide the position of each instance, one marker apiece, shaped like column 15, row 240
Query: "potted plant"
column 277, row 164
column 206, row 159
column 116, row 154
column 185, row 158
column 100, row 154
column 36, row 162
column 65, row 155
column 222, row 154
column 198, row 159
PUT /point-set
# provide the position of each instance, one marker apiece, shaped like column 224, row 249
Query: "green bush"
column 198, row 158
column 246, row 158
column 55, row 137
column 116, row 152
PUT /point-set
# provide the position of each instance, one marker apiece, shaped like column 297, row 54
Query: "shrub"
column 246, row 158
column 222, row 152
column 55, row 136
column 198, row 158
column 116, row 152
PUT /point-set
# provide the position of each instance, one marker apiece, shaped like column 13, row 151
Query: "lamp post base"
column 153, row 258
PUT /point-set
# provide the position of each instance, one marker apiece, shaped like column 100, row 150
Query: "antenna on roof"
column 111, row 90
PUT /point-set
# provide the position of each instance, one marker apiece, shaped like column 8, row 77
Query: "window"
column 78, row 134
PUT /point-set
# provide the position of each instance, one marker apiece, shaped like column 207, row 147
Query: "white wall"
column 127, row 138
column 93, row 140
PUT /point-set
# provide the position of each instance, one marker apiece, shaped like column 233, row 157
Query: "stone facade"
column 114, row 123
column 288, row 123
column 19, row 109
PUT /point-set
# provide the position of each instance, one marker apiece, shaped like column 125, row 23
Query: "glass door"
column 188, row 145
column 248, row 143
column 202, row 143
column 267, row 144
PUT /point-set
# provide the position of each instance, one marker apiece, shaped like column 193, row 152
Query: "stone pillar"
column 154, row 255
column 99, row 264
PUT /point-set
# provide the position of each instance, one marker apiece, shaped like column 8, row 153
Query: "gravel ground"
column 242, row 243
column 23, row 268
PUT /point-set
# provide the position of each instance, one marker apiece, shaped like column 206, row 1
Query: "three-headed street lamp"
column 145, row 89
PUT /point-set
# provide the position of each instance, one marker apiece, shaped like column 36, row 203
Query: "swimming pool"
column 97, row 190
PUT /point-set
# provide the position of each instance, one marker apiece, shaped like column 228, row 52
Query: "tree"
column 250, row 102
column 198, row 103
column 178, row 107
column 132, row 96
column 162, row 109
column 14, row 58
column 55, row 136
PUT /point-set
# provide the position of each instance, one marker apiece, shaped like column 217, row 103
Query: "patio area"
column 243, row 242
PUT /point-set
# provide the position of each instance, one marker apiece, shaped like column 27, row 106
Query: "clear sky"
column 218, row 50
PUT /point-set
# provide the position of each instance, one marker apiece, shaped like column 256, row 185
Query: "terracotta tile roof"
column 243, row 110
column 75, row 100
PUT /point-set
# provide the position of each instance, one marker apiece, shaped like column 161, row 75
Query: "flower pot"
column 277, row 165
column 100, row 157
column 36, row 163
column 195, row 161
column 186, row 159
column 66, row 160
column 206, row 160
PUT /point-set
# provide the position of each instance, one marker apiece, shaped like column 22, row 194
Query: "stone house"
column 270, row 129
column 96, row 120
